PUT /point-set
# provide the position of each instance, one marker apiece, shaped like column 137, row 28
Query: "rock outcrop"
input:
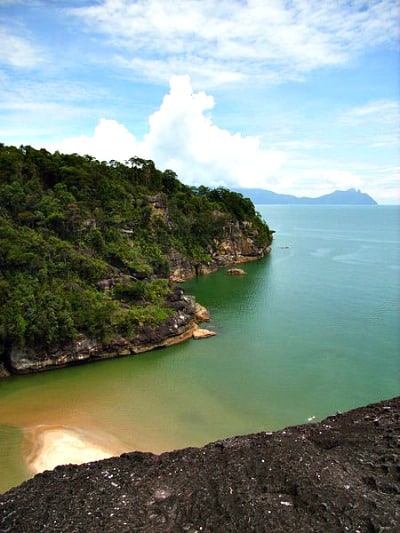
column 203, row 333
column 237, row 245
column 178, row 328
column 342, row 474
column 202, row 314
column 236, row 272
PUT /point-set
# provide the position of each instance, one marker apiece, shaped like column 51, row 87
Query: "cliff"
column 90, row 251
column 235, row 245
column 177, row 328
column 341, row 474
column 237, row 240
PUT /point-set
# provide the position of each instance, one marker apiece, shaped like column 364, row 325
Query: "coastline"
column 337, row 474
column 182, row 326
column 48, row 446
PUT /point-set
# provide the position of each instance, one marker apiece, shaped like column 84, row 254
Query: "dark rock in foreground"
column 342, row 474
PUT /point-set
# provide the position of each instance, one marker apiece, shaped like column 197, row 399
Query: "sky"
column 294, row 96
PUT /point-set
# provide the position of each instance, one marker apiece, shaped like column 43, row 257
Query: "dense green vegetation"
column 67, row 223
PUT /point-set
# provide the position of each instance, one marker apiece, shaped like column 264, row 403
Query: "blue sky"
column 295, row 96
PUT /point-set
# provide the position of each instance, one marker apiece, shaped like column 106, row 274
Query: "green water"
column 310, row 330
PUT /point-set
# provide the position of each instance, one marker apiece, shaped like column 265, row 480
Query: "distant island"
column 348, row 197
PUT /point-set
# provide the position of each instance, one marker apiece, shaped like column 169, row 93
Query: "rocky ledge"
column 342, row 474
column 187, row 313
column 236, row 246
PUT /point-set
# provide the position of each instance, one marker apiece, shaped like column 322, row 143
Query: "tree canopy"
column 69, row 222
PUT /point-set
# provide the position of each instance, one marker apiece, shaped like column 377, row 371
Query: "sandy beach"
column 49, row 446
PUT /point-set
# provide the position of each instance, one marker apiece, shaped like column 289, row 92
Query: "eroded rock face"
column 175, row 329
column 236, row 246
column 202, row 314
column 341, row 474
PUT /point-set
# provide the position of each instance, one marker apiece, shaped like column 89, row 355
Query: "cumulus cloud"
column 219, row 41
column 182, row 136
column 110, row 140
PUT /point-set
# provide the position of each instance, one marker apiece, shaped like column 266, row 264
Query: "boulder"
column 236, row 272
column 202, row 314
column 202, row 333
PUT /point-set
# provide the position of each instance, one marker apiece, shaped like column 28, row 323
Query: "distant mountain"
column 349, row 197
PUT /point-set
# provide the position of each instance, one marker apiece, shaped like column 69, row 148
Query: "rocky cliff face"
column 236, row 245
column 342, row 474
column 175, row 329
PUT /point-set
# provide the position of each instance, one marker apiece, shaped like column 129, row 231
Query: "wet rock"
column 236, row 272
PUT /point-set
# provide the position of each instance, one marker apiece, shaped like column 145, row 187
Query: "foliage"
column 68, row 222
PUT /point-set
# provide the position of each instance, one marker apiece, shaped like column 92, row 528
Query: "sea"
column 310, row 330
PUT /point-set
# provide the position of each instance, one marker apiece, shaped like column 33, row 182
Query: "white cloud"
column 110, row 140
column 375, row 124
column 252, row 39
column 380, row 111
column 315, row 177
column 34, row 110
column 183, row 137
column 18, row 51
column 384, row 184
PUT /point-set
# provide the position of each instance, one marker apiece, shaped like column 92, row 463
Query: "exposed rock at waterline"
column 236, row 272
column 175, row 329
column 202, row 333
column 202, row 314
column 237, row 245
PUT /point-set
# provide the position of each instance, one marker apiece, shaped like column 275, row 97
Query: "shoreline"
column 337, row 474
column 48, row 446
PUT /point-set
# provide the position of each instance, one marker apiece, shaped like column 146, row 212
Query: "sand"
column 49, row 446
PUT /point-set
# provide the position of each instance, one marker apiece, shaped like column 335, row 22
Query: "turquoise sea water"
column 310, row 330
